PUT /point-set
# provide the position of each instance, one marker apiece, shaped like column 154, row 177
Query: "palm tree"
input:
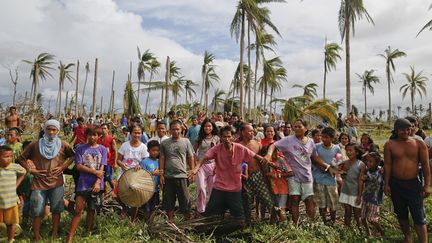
column 273, row 74
column 130, row 102
column 217, row 99
column 389, row 56
column 154, row 66
column 208, row 77
column 143, row 66
column 189, row 89
column 349, row 12
column 416, row 83
column 367, row 79
column 309, row 90
column 331, row 56
column 176, row 88
column 263, row 42
column 248, row 9
column 65, row 73
column 305, row 107
column 40, row 71
column 87, row 70
column 428, row 24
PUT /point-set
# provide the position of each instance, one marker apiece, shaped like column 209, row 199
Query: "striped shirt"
column 8, row 179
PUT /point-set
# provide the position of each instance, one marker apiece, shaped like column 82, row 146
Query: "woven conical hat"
column 135, row 188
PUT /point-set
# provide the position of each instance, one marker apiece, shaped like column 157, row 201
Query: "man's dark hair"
column 5, row 148
column 411, row 119
column 176, row 122
column 160, row 123
column 329, row 132
column 105, row 124
column 16, row 129
column 225, row 129
column 80, row 119
column 90, row 131
column 315, row 132
column 153, row 143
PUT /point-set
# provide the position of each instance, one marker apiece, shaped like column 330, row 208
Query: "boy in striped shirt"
column 11, row 175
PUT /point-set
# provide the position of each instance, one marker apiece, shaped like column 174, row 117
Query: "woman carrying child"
column 350, row 195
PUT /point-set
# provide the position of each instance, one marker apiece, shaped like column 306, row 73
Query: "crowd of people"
column 268, row 168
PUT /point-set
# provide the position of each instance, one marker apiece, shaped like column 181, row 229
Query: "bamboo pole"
column 111, row 95
column 76, row 87
column 94, row 88
column 100, row 110
column 167, row 79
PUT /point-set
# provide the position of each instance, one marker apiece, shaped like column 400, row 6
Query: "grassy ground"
column 109, row 227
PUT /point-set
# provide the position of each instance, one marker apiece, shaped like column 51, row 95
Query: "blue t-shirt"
column 123, row 122
column 327, row 154
column 151, row 165
column 91, row 158
column 192, row 133
column 2, row 141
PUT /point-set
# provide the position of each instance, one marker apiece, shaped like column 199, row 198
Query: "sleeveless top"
column 205, row 145
column 350, row 184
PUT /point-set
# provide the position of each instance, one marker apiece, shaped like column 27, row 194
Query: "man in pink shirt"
column 228, row 156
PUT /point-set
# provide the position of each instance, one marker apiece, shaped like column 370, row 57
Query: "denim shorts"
column 39, row 199
column 300, row 189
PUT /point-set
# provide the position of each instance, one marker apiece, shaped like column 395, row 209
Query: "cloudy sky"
column 184, row 29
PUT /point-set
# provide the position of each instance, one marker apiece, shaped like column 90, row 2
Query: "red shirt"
column 107, row 142
column 80, row 137
column 229, row 169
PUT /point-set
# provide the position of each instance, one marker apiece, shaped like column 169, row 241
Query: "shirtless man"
column 402, row 154
column 352, row 121
column 256, row 181
column 13, row 119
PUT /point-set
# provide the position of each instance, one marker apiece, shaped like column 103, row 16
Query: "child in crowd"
column 11, row 175
column 91, row 158
column 366, row 142
column 344, row 139
column 350, row 195
column 151, row 164
column 316, row 136
column 372, row 193
column 325, row 187
column 245, row 191
column 24, row 192
column 109, row 143
column 278, row 172
column 2, row 139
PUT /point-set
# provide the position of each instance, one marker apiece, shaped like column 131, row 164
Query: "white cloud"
column 183, row 29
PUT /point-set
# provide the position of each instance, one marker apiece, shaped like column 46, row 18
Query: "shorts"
column 10, row 216
column 326, row 196
column 352, row 132
column 348, row 199
column 93, row 200
column 370, row 212
column 152, row 203
column 223, row 200
column 39, row 199
column 176, row 188
column 406, row 194
column 300, row 189
column 281, row 200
